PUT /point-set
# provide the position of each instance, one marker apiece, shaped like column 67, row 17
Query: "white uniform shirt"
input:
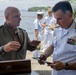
column 63, row 51
column 49, row 21
column 38, row 25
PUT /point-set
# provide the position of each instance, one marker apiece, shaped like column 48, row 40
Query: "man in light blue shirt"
column 63, row 46
column 49, row 21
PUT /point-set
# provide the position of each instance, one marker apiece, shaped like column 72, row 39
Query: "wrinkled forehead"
column 59, row 13
column 14, row 12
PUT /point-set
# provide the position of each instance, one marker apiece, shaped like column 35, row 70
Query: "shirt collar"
column 10, row 29
column 72, row 25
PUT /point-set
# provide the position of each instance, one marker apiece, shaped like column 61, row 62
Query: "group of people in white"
column 44, row 28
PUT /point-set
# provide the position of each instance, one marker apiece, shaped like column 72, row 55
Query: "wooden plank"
column 15, row 66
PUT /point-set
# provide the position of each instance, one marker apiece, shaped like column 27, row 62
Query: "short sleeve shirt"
column 64, row 47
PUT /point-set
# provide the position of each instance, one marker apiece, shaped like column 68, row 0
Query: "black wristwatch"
column 66, row 66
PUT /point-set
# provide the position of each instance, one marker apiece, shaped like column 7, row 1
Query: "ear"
column 71, row 14
column 7, row 18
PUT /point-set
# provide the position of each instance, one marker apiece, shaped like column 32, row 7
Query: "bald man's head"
column 12, row 16
column 10, row 11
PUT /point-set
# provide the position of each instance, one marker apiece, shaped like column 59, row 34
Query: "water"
column 26, row 22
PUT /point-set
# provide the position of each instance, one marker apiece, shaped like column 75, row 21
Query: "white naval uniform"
column 63, row 51
column 38, row 25
column 48, row 33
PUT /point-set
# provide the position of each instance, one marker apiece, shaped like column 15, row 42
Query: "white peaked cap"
column 40, row 12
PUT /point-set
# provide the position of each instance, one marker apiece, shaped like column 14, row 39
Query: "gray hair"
column 64, row 6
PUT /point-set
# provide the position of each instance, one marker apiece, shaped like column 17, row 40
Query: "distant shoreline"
column 35, row 9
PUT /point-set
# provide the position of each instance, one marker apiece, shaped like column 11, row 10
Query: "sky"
column 25, row 4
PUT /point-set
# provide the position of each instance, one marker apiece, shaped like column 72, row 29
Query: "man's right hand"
column 42, row 57
column 12, row 45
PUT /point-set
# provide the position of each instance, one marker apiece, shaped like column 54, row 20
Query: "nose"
column 20, row 18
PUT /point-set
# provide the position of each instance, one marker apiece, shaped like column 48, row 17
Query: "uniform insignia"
column 72, row 40
column 73, row 37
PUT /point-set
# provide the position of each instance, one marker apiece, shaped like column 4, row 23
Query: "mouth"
column 19, row 22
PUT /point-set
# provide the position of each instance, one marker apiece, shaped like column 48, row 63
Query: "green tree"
column 38, row 8
column 73, row 3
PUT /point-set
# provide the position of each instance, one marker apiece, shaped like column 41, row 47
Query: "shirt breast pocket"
column 71, row 47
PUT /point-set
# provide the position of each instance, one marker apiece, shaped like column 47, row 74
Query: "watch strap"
column 66, row 66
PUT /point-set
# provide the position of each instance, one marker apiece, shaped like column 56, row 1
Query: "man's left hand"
column 57, row 65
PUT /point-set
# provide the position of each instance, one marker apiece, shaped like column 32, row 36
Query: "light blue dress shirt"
column 63, row 51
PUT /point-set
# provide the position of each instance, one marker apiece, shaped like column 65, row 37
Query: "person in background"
column 63, row 45
column 14, row 41
column 48, row 26
column 38, row 30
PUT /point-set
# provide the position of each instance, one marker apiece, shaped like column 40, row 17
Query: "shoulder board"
column 1, row 26
column 56, row 26
column 22, row 29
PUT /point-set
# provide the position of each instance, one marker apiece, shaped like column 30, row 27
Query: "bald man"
column 14, row 41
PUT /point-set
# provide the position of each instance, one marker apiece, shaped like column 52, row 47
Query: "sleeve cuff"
column 1, row 50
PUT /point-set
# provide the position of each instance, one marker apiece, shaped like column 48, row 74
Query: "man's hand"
column 44, row 24
column 12, row 45
column 42, row 57
column 57, row 65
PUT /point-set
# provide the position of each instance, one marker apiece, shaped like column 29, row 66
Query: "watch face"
column 66, row 66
